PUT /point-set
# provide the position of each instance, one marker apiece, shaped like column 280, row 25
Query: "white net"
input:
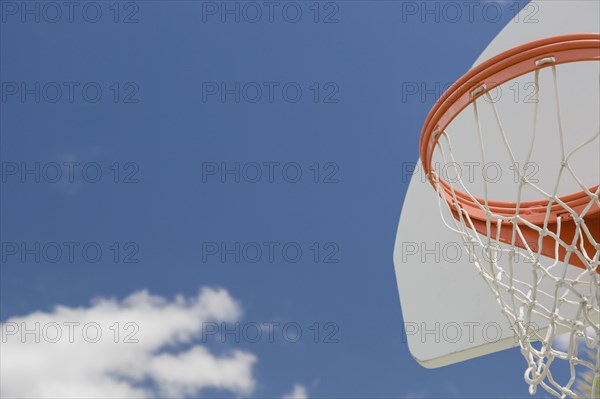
column 553, row 306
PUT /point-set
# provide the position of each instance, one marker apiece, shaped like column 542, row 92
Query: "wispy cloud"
column 562, row 342
column 298, row 392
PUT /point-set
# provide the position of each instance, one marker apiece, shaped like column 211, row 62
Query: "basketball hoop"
column 563, row 228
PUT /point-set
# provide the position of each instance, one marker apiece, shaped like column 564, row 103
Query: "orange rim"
column 481, row 79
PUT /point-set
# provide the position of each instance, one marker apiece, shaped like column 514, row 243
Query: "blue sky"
column 162, row 123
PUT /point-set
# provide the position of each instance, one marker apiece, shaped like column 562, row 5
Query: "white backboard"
column 450, row 315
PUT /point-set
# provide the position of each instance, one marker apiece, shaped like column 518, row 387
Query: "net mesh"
column 552, row 306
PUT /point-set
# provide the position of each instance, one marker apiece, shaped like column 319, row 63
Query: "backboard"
column 450, row 315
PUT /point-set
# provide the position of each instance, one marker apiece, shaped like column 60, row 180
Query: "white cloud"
column 299, row 392
column 155, row 365
column 561, row 342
